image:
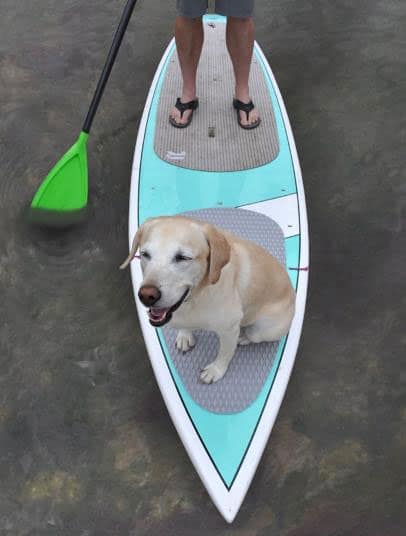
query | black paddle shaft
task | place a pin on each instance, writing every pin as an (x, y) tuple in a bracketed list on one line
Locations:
[(115, 46)]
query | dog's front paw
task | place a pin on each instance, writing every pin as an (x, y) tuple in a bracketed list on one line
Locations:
[(212, 373), (185, 340)]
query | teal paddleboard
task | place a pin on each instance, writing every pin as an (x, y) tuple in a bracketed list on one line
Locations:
[(250, 182)]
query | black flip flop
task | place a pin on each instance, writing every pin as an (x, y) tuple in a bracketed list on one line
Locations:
[(182, 107), (247, 108)]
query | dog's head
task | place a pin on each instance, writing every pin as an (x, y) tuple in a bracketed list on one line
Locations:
[(177, 255)]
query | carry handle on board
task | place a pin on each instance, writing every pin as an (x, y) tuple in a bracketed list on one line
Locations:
[(115, 46)]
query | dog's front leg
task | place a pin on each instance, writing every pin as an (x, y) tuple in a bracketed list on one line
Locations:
[(228, 345), (185, 340)]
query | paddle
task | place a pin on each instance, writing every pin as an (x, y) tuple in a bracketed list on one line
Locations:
[(61, 200)]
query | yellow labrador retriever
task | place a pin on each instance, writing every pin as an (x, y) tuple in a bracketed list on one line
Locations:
[(198, 277)]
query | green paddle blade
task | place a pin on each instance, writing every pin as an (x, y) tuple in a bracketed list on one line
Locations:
[(64, 189)]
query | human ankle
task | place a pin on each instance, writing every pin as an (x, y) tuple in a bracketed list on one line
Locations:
[(188, 96), (242, 95)]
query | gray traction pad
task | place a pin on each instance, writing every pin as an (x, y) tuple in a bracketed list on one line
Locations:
[(251, 364), (232, 148)]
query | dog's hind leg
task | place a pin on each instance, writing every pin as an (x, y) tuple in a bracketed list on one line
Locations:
[(269, 328), (243, 339)]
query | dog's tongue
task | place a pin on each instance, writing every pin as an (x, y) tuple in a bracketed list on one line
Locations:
[(157, 315)]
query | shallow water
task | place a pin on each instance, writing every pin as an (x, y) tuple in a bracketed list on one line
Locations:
[(86, 445)]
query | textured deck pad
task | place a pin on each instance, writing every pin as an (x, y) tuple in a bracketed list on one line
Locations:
[(231, 148), (251, 364)]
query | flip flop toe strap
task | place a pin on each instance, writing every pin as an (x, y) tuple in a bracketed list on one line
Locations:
[(246, 107), (183, 106)]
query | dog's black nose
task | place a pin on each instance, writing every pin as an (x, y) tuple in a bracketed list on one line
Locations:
[(149, 295)]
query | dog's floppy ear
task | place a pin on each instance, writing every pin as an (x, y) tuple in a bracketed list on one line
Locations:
[(219, 252), (134, 247), (137, 239), (136, 242)]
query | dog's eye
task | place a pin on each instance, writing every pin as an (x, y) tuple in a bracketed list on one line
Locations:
[(179, 258), (145, 255)]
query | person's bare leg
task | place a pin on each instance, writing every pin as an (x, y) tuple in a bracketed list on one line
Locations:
[(240, 43), (189, 43)]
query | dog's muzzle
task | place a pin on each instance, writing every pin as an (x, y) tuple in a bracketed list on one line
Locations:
[(160, 316)]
